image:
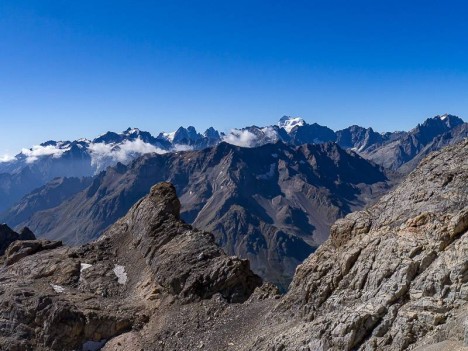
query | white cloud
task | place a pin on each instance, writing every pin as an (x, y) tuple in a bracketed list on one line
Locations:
[(270, 133), (242, 138), (104, 155), (7, 158), (38, 151), (182, 147)]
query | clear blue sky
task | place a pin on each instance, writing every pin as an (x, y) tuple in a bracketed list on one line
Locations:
[(71, 69)]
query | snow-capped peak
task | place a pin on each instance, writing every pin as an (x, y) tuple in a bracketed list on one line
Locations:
[(443, 117), (132, 131), (288, 123), (169, 136)]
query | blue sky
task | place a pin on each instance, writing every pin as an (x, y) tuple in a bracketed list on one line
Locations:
[(71, 69)]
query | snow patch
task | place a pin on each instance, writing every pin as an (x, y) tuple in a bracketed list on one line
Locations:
[(288, 123), (121, 274), (133, 131), (242, 138), (361, 148), (57, 288), (85, 266), (169, 136)]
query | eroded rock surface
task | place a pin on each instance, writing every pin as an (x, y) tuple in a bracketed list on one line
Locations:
[(394, 277), (54, 297)]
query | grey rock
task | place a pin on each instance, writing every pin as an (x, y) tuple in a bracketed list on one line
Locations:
[(393, 277), (59, 298)]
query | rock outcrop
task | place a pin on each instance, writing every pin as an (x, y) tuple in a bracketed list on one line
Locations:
[(8, 236), (393, 277), (55, 297), (183, 260)]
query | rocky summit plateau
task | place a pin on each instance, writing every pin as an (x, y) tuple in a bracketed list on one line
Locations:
[(393, 276)]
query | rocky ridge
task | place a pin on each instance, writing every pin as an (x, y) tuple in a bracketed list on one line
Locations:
[(61, 298), (8, 236), (393, 277)]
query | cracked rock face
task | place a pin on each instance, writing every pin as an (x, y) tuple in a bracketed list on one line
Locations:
[(394, 277), (54, 297)]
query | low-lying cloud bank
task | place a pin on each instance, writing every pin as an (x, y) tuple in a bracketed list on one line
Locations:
[(104, 155), (242, 138), (37, 151), (7, 158)]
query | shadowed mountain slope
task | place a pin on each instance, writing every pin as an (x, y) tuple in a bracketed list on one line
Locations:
[(273, 204)]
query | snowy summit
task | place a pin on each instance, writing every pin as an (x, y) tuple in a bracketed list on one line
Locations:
[(288, 123)]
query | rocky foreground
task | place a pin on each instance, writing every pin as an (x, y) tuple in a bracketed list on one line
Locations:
[(393, 277), (147, 266)]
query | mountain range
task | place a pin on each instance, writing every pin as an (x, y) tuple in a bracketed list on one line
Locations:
[(392, 277), (34, 167), (272, 203)]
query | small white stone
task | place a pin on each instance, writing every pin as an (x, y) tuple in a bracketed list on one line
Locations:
[(120, 273), (57, 288), (85, 266)]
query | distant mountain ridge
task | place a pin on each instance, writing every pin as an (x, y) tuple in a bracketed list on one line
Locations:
[(34, 167), (273, 202), (110, 148)]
